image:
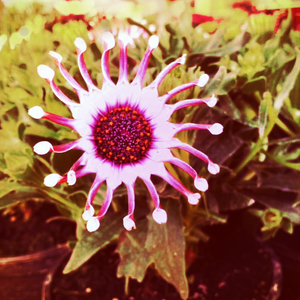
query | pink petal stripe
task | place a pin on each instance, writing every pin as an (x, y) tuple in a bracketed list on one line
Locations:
[(123, 74), (84, 71), (66, 74), (153, 192), (79, 162), (59, 120), (107, 201), (143, 67), (176, 143), (93, 191), (105, 66), (180, 89), (184, 166), (188, 103), (131, 199), (160, 77), (79, 174), (60, 95), (166, 176), (65, 147), (191, 126), (169, 109)]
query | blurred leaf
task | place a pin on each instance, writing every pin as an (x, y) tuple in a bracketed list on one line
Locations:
[(266, 116), (252, 61), (220, 84), (139, 249), (255, 84), (170, 262), (287, 225), (89, 243), (284, 161), (288, 84), (273, 176), (135, 258), (228, 107), (286, 141), (16, 163), (16, 155), (12, 192), (213, 47), (66, 34), (273, 220), (275, 198), (218, 148), (74, 7), (284, 181), (226, 198), (280, 58)]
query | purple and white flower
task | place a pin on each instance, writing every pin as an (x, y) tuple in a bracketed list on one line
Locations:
[(124, 129)]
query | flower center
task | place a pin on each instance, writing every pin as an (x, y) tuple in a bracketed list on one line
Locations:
[(123, 135)]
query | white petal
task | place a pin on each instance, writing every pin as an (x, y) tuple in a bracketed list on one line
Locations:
[(92, 224), (216, 129), (153, 41), (71, 177), (80, 44), (213, 101), (45, 72), (201, 184), (160, 216), (36, 112), (203, 80), (42, 148), (52, 180), (88, 213), (213, 168), (160, 155), (183, 59), (193, 198), (152, 27), (109, 39), (125, 38), (55, 55), (128, 223), (128, 174)]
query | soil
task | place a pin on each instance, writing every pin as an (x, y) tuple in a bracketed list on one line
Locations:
[(235, 266), (32, 226), (232, 265)]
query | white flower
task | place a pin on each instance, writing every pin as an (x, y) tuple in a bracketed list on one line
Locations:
[(124, 129)]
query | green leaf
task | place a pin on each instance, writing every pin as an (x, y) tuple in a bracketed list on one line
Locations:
[(288, 84), (266, 116), (255, 84), (287, 225), (162, 245), (283, 161), (89, 243), (213, 48), (275, 198), (74, 7), (12, 192), (167, 247), (227, 198), (279, 178), (16, 163), (135, 258), (220, 84), (16, 155)]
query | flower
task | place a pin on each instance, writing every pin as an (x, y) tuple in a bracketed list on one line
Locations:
[(124, 131)]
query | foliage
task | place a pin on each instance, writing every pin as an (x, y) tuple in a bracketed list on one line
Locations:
[(255, 74)]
